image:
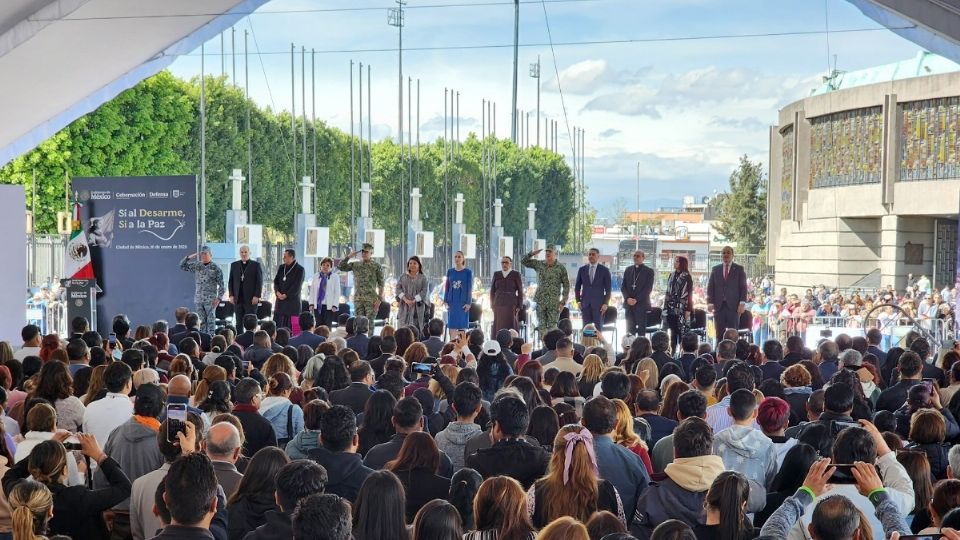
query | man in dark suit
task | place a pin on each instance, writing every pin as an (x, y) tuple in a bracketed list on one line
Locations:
[(874, 337), (910, 367), (179, 330), (245, 284), (359, 341), (306, 336), (435, 341), (727, 292), (358, 392), (636, 287), (249, 322), (592, 289), (286, 287)]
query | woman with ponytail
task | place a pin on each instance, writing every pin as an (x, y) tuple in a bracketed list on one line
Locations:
[(572, 486), (216, 400), (286, 418), (77, 510), (210, 375), (725, 506), (32, 505)]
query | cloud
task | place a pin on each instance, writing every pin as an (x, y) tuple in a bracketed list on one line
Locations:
[(636, 101), (584, 78), (751, 123), (607, 133)]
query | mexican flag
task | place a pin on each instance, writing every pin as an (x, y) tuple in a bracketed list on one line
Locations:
[(76, 262)]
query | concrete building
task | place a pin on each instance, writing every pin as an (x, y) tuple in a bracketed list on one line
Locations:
[(865, 178)]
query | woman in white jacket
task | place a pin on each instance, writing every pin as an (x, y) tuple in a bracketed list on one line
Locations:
[(325, 293)]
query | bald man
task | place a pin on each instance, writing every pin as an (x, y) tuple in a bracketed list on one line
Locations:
[(222, 446), (178, 391)]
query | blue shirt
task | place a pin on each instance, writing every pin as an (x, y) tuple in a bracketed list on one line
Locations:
[(623, 469)]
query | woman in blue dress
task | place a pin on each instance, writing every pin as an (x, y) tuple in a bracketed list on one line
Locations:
[(457, 294)]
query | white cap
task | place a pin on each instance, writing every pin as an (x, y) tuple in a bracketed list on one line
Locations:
[(490, 348)]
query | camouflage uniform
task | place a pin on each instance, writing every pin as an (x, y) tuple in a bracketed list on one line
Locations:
[(209, 288), (367, 279), (553, 288)]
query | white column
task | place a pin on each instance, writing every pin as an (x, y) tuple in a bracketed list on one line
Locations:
[(458, 214), (415, 204), (306, 197), (365, 199), (237, 179), (531, 216), (497, 210)]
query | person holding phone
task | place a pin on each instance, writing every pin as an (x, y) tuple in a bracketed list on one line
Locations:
[(458, 293)]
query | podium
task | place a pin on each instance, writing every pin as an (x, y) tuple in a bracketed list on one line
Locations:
[(81, 299)]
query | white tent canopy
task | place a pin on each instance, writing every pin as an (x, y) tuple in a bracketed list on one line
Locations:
[(60, 59), (931, 24)]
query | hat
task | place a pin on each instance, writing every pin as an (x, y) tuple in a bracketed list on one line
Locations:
[(627, 341), (145, 376), (491, 348), (367, 247), (204, 249), (551, 247)]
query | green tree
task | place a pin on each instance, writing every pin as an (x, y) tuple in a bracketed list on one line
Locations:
[(742, 211)]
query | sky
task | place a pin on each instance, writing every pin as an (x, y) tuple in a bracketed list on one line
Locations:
[(681, 111)]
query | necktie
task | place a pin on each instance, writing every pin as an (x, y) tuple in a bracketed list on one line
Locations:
[(592, 271), (726, 271)]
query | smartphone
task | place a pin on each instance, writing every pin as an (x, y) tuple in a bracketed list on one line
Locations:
[(112, 339), (72, 443), (176, 420), (590, 333), (117, 354), (935, 536), (421, 368), (845, 425)]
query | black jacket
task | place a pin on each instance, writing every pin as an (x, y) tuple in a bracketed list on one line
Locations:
[(421, 487), (249, 513), (252, 282), (257, 430), (346, 471), (937, 456), (379, 455), (515, 458), (276, 527), (378, 363), (895, 396), (354, 396), (288, 281), (77, 510), (245, 339)]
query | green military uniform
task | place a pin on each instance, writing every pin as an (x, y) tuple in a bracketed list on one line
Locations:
[(553, 288), (367, 280)]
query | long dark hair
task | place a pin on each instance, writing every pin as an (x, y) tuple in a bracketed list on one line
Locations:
[(333, 374), (816, 379), (796, 463), (727, 495), (377, 426), (437, 520), (380, 508), (260, 477), (54, 382), (217, 399), (463, 490), (419, 264), (544, 425), (419, 451)]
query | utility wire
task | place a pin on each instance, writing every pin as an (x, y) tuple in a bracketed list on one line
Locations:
[(556, 70), (304, 10), (597, 41)]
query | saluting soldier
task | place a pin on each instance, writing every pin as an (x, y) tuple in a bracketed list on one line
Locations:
[(553, 288), (367, 280), (209, 286)]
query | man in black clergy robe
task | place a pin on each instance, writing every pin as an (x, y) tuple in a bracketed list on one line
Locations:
[(286, 289), (245, 285)]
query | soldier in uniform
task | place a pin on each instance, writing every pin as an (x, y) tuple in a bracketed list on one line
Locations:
[(209, 288), (553, 287), (367, 280)]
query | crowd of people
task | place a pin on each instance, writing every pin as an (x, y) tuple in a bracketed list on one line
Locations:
[(325, 429)]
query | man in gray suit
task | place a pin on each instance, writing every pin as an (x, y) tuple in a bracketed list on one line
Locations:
[(727, 292)]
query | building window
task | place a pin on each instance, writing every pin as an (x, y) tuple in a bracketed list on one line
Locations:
[(786, 174), (929, 149), (845, 148)]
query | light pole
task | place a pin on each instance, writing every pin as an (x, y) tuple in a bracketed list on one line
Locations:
[(395, 17), (516, 37), (535, 73), (638, 208)]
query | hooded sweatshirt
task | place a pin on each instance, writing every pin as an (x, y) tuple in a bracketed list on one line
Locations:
[(275, 409), (303, 443), (453, 441), (747, 451), (680, 496), (134, 446)]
